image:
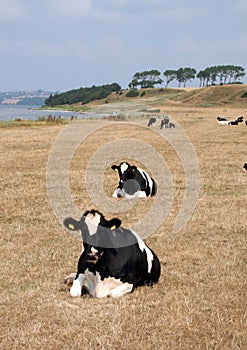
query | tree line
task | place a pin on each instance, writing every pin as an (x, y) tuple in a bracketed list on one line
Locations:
[(210, 76), (214, 75), (82, 95)]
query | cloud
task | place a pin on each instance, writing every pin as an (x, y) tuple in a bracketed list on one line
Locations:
[(13, 10)]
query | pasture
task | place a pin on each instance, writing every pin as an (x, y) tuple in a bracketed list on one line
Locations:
[(200, 300)]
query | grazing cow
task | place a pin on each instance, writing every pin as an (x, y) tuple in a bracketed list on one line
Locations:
[(134, 182), (152, 121), (164, 123), (115, 260), (245, 166)]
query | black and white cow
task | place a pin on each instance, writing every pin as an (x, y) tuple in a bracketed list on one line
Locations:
[(245, 166), (115, 260), (164, 123), (152, 121), (134, 182)]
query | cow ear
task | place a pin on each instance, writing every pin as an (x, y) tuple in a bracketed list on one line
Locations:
[(114, 167), (133, 168), (114, 223), (71, 224)]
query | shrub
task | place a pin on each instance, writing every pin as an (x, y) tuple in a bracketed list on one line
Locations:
[(132, 93), (244, 94), (143, 93)]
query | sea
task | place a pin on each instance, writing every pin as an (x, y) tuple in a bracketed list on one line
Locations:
[(13, 112)]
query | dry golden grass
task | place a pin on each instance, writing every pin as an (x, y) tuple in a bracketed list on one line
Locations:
[(200, 300)]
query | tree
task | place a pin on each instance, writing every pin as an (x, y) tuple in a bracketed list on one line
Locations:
[(146, 79), (188, 74), (170, 76)]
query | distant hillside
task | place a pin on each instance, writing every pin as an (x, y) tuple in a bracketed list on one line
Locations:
[(212, 96)]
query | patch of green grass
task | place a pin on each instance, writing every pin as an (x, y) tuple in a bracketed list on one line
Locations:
[(29, 123)]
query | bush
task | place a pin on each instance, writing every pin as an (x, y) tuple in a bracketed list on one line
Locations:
[(244, 94), (132, 93), (143, 93)]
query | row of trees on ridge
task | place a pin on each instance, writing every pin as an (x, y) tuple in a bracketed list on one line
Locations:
[(209, 76)]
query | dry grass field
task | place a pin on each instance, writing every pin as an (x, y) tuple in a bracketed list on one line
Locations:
[(200, 300)]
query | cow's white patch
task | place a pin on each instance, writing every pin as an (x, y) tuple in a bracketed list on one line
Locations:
[(150, 182), (123, 167), (121, 193), (143, 247), (94, 251), (92, 221)]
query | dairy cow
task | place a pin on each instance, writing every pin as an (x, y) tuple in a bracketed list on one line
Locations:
[(115, 260), (152, 121), (134, 182)]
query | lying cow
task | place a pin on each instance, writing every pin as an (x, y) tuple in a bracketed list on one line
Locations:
[(134, 182), (115, 260)]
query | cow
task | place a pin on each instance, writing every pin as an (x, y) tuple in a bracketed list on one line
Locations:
[(115, 260), (134, 182), (234, 122), (220, 119), (164, 123), (224, 122), (245, 166), (240, 119), (152, 121), (171, 125)]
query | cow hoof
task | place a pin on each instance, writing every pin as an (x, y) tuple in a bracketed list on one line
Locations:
[(69, 279)]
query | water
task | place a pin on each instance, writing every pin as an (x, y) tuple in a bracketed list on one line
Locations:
[(12, 112)]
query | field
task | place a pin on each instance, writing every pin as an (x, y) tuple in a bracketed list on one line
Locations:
[(200, 300)]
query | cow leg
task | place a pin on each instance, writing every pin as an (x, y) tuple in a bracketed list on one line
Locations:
[(109, 285), (112, 287), (75, 290), (86, 280), (119, 291)]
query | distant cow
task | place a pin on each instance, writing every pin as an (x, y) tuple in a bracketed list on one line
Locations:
[(221, 119), (234, 122), (224, 122), (240, 119), (152, 121), (171, 125), (115, 260), (134, 182), (164, 123), (245, 166)]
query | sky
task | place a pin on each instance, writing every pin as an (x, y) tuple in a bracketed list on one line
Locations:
[(59, 45)]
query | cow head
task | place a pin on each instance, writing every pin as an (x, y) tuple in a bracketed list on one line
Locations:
[(127, 183), (100, 233)]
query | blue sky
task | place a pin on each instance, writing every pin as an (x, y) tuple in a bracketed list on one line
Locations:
[(59, 45)]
